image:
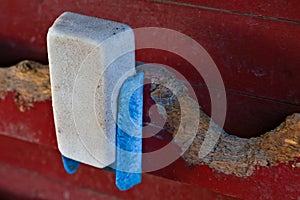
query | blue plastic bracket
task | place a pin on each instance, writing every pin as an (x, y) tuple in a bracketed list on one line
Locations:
[(129, 133), (70, 165)]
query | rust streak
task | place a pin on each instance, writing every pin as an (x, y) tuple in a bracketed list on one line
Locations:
[(231, 154)]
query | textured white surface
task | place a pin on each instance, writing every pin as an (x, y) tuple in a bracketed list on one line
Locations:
[(89, 58)]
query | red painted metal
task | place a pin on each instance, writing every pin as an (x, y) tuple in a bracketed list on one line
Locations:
[(24, 148), (256, 47), (35, 171), (258, 58), (270, 9)]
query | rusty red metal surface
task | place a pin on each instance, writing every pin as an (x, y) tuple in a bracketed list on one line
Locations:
[(255, 45), (268, 9), (29, 150), (257, 57), (35, 171)]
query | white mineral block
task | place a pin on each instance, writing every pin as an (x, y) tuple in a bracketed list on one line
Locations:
[(89, 59)]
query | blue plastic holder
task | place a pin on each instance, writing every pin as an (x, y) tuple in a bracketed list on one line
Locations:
[(70, 165), (129, 133)]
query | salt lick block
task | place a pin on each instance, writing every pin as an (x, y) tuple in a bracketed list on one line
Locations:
[(89, 59)]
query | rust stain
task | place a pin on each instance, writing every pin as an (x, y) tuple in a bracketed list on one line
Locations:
[(231, 154), (29, 80)]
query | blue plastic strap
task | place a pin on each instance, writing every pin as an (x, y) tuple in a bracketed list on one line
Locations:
[(129, 133)]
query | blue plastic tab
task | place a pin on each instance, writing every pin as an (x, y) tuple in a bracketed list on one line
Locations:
[(70, 165), (129, 133)]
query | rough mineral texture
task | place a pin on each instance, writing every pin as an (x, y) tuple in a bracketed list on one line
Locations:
[(29, 81), (231, 155)]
